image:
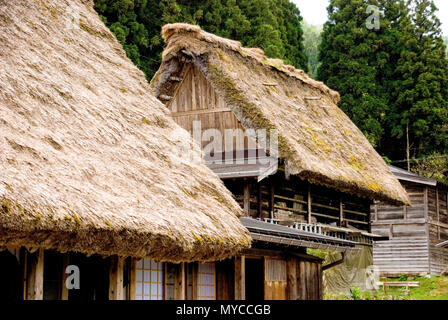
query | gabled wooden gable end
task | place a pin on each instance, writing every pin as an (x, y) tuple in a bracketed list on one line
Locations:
[(197, 107), (191, 98)]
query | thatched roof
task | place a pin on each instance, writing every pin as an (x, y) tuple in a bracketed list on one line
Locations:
[(86, 152), (316, 139)]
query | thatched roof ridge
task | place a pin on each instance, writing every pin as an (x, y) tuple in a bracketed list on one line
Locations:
[(89, 159), (316, 139)]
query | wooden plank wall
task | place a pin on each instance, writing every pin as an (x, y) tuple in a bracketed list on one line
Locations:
[(401, 222), (309, 280), (413, 232), (396, 257), (407, 250), (437, 228)]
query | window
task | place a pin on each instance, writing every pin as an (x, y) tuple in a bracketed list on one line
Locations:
[(206, 281), (150, 280)]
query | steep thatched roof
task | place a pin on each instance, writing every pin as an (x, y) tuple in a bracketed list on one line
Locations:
[(86, 152), (317, 140)]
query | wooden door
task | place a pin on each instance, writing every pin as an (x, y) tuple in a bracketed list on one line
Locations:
[(275, 279)]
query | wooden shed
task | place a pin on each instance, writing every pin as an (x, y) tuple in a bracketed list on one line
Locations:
[(292, 159), (416, 234), (87, 174)]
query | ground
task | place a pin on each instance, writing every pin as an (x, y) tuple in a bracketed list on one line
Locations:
[(433, 288)]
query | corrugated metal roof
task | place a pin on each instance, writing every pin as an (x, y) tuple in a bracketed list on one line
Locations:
[(268, 232), (405, 175)]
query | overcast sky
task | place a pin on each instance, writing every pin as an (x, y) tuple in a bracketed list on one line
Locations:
[(315, 11)]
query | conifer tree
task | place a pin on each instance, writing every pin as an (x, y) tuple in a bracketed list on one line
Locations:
[(273, 25), (348, 56), (422, 86)]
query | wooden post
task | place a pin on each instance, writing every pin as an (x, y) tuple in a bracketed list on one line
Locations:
[(116, 278), (271, 200), (24, 258), (65, 264), (291, 273), (35, 277), (194, 290), (309, 204), (133, 280), (438, 213), (240, 278), (426, 211), (341, 212), (320, 282), (246, 203), (259, 201), (179, 282)]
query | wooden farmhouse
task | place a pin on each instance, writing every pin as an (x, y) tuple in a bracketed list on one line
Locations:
[(90, 194), (303, 173), (418, 234)]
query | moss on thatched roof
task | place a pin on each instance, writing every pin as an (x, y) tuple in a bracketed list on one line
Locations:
[(317, 140), (87, 154)]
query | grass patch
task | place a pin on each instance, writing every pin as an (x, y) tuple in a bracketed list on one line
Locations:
[(433, 288)]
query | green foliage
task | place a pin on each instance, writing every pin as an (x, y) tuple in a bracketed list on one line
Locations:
[(403, 277), (311, 42), (431, 288), (433, 167), (394, 80), (273, 25), (348, 56)]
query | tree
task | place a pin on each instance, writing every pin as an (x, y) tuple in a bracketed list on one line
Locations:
[(348, 56), (311, 41), (273, 25), (393, 81), (420, 97)]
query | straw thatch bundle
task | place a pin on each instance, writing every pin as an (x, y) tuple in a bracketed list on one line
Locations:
[(316, 139), (86, 152)]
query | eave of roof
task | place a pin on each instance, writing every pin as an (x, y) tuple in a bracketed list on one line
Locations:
[(268, 232)]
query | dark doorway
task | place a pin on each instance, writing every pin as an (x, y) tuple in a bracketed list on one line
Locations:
[(254, 279), (53, 273), (10, 283), (94, 278)]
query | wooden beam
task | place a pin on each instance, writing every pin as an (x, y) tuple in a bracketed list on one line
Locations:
[(179, 282), (116, 278), (35, 277), (291, 278), (133, 280), (200, 112), (240, 277), (65, 264), (246, 200)]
